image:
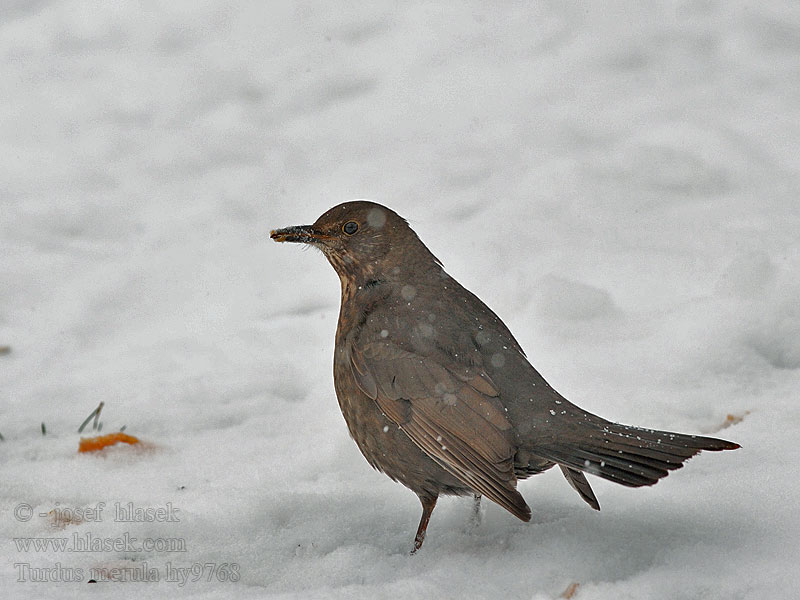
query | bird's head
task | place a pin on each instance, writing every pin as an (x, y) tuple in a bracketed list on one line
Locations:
[(363, 241)]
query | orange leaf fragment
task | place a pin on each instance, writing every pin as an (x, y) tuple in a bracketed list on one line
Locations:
[(102, 441), (733, 420), (569, 593)]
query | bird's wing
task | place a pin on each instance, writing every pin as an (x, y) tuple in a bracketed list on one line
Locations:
[(452, 413)]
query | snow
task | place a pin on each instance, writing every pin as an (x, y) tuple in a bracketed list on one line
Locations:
[(618, 181)]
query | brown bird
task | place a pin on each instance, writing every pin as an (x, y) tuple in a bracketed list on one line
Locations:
[(439, 395)]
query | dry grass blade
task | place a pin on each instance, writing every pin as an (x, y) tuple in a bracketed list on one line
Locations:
[(94, 414)]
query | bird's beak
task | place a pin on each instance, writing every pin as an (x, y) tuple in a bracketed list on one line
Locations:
[(303, 234)]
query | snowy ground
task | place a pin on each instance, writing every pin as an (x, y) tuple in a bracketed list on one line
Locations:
[(620, 182)]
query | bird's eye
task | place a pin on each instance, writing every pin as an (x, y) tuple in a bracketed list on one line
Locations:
[(350, 227)]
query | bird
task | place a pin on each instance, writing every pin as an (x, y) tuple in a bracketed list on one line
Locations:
[(439, 395)]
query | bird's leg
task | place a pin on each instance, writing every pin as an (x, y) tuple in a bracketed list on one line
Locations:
[(476, 510), (428, 504)]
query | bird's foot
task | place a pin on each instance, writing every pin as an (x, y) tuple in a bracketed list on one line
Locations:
[(428, 504), (475, 517), (417, 543)]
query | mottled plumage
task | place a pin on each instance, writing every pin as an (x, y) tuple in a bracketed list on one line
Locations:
[(439, 395)]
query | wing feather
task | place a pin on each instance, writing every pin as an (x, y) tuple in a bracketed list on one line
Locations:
[(451, 412)]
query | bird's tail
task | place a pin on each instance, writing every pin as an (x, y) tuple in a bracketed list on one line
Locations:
[(578, 482), (630, 456)]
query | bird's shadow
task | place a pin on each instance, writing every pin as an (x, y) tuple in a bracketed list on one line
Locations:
[(608, 546)]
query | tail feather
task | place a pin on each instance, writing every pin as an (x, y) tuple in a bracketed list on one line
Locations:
[(630, 456), (578, 482)]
